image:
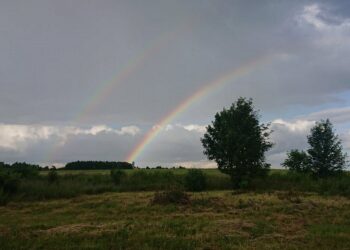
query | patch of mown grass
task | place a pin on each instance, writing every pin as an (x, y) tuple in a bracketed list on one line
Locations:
[(213, 220)]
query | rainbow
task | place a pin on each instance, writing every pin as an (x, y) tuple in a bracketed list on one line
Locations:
[(226, 78), (106, 89)]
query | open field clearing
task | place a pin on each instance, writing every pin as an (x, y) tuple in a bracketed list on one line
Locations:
[(211, 220)]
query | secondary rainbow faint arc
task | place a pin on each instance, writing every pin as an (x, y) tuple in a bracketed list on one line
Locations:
[(106, 89), (200, 93)]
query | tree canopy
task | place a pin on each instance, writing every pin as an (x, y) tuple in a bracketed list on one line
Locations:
[(238, 142), (326, 151)]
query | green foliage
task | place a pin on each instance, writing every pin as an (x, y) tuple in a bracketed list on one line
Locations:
[(145, 180), (52, 176), (9, 183), (68, 186), (25, 170), (326, 152), (195, 180), (297, 161), (73, 185), (117, 176), (237, 142)]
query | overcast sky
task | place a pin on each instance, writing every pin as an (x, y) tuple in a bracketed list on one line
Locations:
[(86, 80)]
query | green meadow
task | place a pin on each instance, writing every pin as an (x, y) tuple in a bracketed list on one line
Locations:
[(87, 210), (211, 220)]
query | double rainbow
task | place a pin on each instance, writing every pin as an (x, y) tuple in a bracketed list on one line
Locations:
[(106, 89)]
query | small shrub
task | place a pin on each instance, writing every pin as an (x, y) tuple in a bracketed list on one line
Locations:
[(9, 182), (52, 176), (175, 196), (244, 184), (195, 180), (117, 176)]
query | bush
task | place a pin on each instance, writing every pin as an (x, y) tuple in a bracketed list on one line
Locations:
[(195, 180), (297, 161), (175, 196), (52, 176), (25, 170), (9, 182), (117, 176)]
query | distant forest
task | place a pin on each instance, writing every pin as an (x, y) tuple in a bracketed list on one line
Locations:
[(97, 165), (22, 167)]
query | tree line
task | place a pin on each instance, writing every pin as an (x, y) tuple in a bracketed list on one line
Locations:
[(98, 165)]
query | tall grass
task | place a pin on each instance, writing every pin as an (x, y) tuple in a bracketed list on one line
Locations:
[(66, 186), (279, 181), (71, 185), (144, 180)]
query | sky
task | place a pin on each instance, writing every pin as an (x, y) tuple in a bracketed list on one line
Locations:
[(140, 80)]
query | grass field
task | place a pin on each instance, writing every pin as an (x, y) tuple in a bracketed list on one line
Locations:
[(87, 210), (212, 220), (73, 183), (177, 171)]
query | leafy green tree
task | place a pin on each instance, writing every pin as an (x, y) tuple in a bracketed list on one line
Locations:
[(297, 161), (326, 152), (238, 142)]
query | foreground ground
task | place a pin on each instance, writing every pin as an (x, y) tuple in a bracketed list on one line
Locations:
[(213, 220)]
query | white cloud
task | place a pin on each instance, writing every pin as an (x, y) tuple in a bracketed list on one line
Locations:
[(294, 126), (333, 29), (197, 164), (16, 137), (337, 115), (195, 127), (128, 130), (322, 20), (19, 137), (287, 135), (311, 14)]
